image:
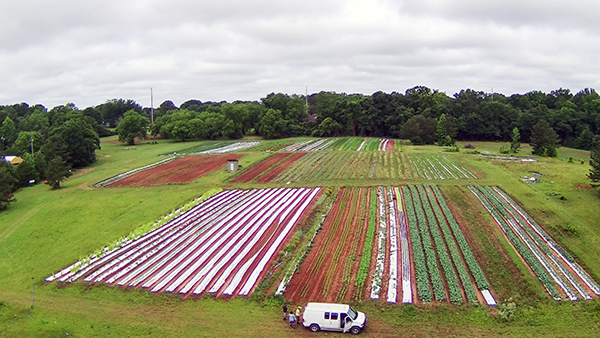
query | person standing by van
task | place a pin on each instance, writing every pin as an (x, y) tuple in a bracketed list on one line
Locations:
[(284, 310), (298, 313), (292, 320)]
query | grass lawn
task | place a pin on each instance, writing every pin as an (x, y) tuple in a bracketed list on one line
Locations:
[(47, 230)]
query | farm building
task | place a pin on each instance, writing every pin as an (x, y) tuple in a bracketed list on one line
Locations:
[(14, 160)]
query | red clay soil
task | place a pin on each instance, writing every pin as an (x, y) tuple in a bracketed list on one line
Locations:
[(317, 291), (288, 162), (360, 222), (306, 279), (258, 169), (181, 170), (584, 186)]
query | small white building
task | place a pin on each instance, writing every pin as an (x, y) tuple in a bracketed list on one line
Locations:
[(232, 165)]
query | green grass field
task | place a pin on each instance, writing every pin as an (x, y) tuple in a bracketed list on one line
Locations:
[(47, 230)]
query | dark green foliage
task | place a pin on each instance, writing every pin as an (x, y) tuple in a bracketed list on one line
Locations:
[(7, 183), (57, 171), (419, 130), (515, 142), (81, 140), (131, 126), (544, 140), (26, 171), (594, 174)]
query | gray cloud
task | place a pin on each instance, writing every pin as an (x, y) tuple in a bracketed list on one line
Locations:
[(89, 51)]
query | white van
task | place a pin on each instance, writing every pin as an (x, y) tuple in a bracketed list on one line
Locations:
[(333, 317)]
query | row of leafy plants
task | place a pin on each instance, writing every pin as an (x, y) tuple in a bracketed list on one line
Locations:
[(487, 200), (365, 261)]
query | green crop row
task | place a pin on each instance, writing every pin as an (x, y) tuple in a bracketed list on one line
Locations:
[(430, 256), (365, 261), (508, 212), (422, 276), (476, 271), (539, 228), (454, 253), (442, 252), (488, 200)]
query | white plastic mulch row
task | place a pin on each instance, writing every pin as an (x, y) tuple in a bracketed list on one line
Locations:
[(551, 243), (317, 145), (296, 146), (393, 281), (557, 274), (383, 143), (380, 263), (406, 278), (362, 144), (231, 147), (234, 232), (554, 267)]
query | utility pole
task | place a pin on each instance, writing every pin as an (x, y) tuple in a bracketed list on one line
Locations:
[(151, 106), (306, 100), (31, 145)]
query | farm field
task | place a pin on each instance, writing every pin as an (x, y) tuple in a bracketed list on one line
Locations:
[(60, 227), (180, 170), (220, 246), (363, 251), (319, 166)]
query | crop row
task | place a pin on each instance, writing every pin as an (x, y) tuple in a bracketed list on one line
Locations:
[(552, 245), (356, 225), (550, 264), (381, 240), (230, 147), (492, 205), (440, 166), (465, 279), (348, 207), (121, 176), (405, 250), (348, 165), (221, 246), (333, 221), (365, 262), (475, 269)]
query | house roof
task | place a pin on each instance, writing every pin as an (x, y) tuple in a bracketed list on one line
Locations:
[(14, 160)]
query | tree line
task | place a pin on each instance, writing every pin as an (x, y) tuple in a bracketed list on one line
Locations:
[(422, 115)]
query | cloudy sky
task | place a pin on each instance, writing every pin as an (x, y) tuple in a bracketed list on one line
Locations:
[(86, 52)]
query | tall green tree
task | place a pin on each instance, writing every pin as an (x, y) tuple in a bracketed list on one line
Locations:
[(26, 171), (57, 171), (131, 126), (544, 140), (26, 141), (7, 132), (594, 174), (7, 182), (81, 139), (515, 142)]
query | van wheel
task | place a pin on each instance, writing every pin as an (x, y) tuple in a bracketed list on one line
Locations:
[(355, 330), (314, 327)]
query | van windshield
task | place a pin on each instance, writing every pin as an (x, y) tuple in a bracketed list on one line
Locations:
[(352, 314)]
